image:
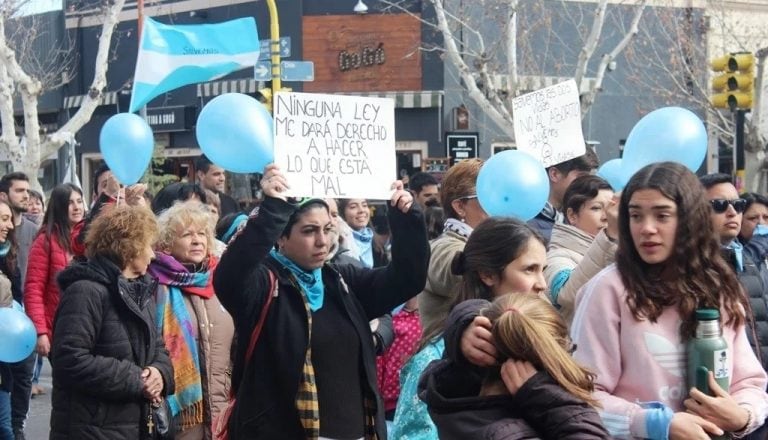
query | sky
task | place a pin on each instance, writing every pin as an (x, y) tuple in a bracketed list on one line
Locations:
[(38, 6)]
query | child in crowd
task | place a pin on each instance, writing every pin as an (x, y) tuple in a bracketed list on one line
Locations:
[(502, 255), (538, 391)]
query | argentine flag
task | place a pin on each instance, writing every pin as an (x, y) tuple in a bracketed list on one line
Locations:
[(174, 56)]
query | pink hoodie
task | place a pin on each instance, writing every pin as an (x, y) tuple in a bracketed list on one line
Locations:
[(639, 361)]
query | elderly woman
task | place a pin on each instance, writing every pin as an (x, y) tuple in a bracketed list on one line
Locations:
[(109, 362), (312, 372), (196, 328)]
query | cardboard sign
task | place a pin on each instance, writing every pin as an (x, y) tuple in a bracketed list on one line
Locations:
[(548, 123), (334, 146)]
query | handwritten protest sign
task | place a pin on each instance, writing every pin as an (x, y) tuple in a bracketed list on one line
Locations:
[(334, 145), (548, 123)]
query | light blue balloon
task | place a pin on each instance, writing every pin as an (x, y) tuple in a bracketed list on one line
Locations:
[(235, 132), (513, 184), (17, 306), (126, 142), (613, 172), (667, 134), (18, 335)]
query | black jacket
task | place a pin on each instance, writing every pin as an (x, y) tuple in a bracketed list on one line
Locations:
[(540, 409), (267, 387), (103, 338), (757, 293), (228, 204)]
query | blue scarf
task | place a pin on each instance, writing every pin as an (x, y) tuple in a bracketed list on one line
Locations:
[(738, 251), (311, 282), (364, 240)]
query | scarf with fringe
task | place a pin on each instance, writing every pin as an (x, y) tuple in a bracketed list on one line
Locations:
[(178, 331)]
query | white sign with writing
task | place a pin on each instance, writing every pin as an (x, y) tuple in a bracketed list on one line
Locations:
[(335, 146), (548, 123)]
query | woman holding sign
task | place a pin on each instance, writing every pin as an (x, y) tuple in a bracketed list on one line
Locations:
[(312, 372), (633, 319)]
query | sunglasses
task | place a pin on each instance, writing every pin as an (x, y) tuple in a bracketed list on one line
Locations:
[(467, 197), (721, 205)]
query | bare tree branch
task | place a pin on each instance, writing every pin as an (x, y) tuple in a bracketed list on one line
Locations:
[(500, 116), (589, 98), (512, 48), (591, 43), (16, 77), (95, 91)]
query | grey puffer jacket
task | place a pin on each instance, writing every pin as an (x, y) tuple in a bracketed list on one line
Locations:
[(757, 293)]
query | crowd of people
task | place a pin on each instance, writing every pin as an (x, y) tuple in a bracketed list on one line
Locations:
[(184, 315)]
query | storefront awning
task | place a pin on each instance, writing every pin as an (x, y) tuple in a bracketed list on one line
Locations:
[(415, 99), (108, 98), (216, 88)]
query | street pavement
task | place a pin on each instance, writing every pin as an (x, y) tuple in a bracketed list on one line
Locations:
[(39, 418)]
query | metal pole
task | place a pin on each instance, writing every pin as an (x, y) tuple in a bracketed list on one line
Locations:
[(739, 151), (140, 18), (274, 35), (140, 9)]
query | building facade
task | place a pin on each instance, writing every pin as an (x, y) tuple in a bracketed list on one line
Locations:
[(375, 54)]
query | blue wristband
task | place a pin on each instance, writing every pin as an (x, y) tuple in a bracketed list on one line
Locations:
[(658, 417), (558, 281)]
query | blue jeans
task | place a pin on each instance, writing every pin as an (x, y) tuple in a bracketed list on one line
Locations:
[(6, 433), (37, 370)]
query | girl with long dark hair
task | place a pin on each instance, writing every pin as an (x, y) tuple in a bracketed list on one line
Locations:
[(9, 288), (50, 253), (634, 318)]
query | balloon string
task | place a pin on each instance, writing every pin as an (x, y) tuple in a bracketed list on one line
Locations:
[(118, 199)]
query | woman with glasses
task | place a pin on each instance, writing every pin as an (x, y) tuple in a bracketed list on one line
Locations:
[(463, 213), (633, 319), (745, 257)]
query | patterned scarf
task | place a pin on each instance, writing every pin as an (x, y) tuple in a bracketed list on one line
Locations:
[(364, 241), (178, 331)]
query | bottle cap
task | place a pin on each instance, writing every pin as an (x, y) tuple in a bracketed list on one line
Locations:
[(707, 314)]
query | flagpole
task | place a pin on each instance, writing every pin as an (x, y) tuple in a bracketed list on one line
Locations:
[(274, 35), (140, 10)]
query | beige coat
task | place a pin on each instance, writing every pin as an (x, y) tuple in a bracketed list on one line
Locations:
[(6, 295), (442, 285), (572, 249), (216, 332)]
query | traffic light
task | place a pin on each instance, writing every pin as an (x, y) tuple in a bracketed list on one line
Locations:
[(734, 87)]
